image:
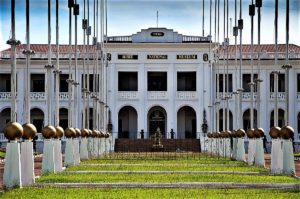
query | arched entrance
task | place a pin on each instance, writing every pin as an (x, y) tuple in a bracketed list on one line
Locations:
[(37, 118), (186, 123), (247, 119), (4, 118), (157, 118), (63, 118), (221, 128), (127, 123), (280, 118)]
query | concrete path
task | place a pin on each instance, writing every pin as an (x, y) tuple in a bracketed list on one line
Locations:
[(213, 185), (161, 165)]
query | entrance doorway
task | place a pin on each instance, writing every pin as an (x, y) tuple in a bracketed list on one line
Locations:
[(157, 119)]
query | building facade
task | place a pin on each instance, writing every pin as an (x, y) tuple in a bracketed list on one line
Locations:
[(158, 78)]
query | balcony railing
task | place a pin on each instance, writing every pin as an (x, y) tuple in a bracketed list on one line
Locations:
[(128, 95), (157, 95), (186, 95), (280, 96), (63, 96), (222, 95), (5, 95), (37, 96), (247, 96)]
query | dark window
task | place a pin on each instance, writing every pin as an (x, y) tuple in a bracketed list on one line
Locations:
[(186, 81), (37, 83), (63, 84), (221, 83), (91, 82), (298, 82), (127, 81), (5, 85), (281, 84), (247, 80), (157, 81)]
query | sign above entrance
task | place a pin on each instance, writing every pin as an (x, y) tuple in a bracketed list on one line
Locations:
[(186, 56), (157, 56), (126, 56), (157, 34)]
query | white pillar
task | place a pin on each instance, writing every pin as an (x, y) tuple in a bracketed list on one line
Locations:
[(251, 151), (288, 166), (84, 149), (276, 156), (76, 151), (57, 155), (48, 157), (12, 168), (240, 151), (69, 153), (234, 148), (95, 147), (259, 159), (27, 160)]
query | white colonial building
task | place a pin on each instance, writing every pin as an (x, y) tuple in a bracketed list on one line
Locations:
[(160, 78)]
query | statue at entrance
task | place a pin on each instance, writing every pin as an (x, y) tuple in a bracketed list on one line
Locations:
[(157, 139)]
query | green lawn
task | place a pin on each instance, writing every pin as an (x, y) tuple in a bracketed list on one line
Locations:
[(2, 154), (172, 177), (129, 193)]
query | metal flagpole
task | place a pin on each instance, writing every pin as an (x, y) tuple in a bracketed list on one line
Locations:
[(224, 73), (94, 97), (203, 8), (57, 71), (227, 64), (287, 66), (211, 69), (218, 71), (240, 90), (84, 88), (259, 80), (89, 29), (70, 79), (276, 65), (49, 67), (235, 34), (252, 14), (28, 53)]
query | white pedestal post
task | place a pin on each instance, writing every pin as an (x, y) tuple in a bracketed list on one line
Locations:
[(259, 159), (27, 162), (234, 148), (276, 156), (227, 149), (240, 150), (99, 146), (251, 151), (76, 151), (57, 155), (12, 168), (95, 147), (48, 157), (84, 149), (69, 153), (90, 147), (288, 166)]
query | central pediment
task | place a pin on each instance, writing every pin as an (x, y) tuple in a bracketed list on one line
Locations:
[(157, 35)]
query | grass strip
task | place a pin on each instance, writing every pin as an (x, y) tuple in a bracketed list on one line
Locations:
[(144, 193), (186, 167), (121, 177)]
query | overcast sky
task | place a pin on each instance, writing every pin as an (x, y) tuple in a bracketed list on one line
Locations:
[(126, 17)]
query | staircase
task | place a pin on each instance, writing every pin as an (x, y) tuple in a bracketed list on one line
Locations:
[(146, 145)]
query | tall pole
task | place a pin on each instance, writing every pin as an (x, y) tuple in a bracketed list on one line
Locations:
[(287, 66), (218, 70), (13, 42), (203, 8), (49, 67), (259, 80), (211, 69), (57, 71), (235, 34), (227, 64), (84, 88), (224, 73), (70, 79), (76, 82), (276, 65), (252, 14), (89, 29), (240, 26), (28, 53)]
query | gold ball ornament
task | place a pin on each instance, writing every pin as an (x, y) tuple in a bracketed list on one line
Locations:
[(287, 132), (48, 132), (250, 133), (259, 132), (78, 132), (59, 132), (13, 131), (240, 133), (94, 133), (84, 133), (275, 132), (29, 131), (90, 132), (70, 133)]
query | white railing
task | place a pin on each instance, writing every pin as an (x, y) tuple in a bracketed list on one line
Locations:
[(186, 95), (157, 95), (37, 96), (247, 96), (280, 96), (63, 96), (222, 96), (127, 95), (5, 95)]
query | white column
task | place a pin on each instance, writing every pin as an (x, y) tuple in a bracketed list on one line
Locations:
[(142, 94), (27, 160), (288, 166), (259, 159), (12, 168), (83, 149), (240, 154), (276, 156), (76, 151), (251, 151), (57, 155), (48, 157), (171, 108), (69, 153)]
